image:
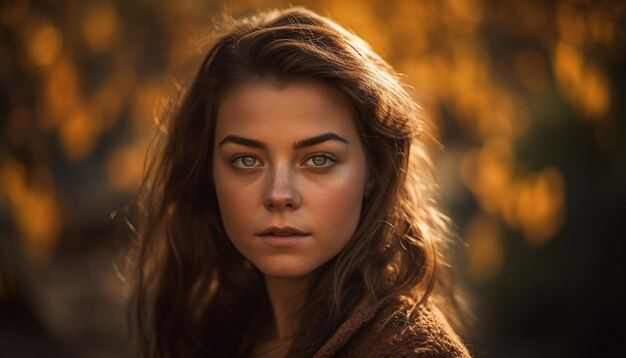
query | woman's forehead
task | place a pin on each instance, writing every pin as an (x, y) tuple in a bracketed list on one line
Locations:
[(300, 108)]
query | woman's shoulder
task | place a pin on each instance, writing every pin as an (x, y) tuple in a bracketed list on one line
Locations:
[(397, 330)]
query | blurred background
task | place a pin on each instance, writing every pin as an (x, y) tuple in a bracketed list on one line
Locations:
[(527, 98)]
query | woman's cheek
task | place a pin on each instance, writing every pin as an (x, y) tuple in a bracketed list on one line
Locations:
[(235, 202), (339, 207)]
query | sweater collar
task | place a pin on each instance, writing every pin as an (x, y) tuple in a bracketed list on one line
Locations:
[(364, 312)]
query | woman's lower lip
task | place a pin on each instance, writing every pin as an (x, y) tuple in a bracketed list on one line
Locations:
[(282, 241)]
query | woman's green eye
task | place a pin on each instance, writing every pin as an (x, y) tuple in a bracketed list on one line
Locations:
[(320, 161), (245, 161), (248, 161)]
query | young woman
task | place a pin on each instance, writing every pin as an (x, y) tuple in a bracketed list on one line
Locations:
[(288, 209)]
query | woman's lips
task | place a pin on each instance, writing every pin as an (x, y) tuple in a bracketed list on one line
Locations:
[(282, 237)]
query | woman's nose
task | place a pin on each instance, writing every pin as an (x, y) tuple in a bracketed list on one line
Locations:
[(281, 192)]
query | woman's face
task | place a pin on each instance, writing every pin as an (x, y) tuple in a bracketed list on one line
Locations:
[(290, 174)]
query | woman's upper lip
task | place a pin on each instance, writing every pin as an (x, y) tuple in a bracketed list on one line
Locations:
[(281, 230)]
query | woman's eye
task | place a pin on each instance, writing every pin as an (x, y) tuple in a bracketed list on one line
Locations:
[(320, 161), (245, 161)]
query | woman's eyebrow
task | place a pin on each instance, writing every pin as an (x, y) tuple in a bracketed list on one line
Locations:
[(243, 141), (319, 139), (308, 142)]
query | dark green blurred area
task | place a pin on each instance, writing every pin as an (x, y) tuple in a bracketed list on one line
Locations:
[(527, 98)]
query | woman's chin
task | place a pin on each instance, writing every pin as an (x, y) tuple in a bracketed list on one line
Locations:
[(285, 270)]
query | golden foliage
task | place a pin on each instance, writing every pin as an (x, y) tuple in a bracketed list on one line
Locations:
[(485, 249), (35, 206)]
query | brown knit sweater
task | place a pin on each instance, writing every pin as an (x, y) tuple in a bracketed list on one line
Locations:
[(422, 332)]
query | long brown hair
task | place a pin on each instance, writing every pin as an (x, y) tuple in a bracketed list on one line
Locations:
[(194, 294)]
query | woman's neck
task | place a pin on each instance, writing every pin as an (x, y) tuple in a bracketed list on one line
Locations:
[(286, 295)]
